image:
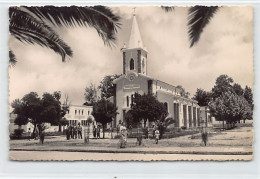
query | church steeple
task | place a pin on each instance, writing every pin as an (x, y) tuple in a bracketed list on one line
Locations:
[(134, 54), (135, 40)]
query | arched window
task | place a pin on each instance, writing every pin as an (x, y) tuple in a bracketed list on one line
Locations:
[(132, 64), (127, 101), (166, 106), (75, 112)]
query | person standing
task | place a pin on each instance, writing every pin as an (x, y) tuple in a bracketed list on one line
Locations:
[(75, 131), (157, 135), (147, 132), (94, 131), (123, 136), (130, 128), (29, 133), (117, 129), (98, 132), (80, 131), (68, 132), (71, 132), (111, 131)]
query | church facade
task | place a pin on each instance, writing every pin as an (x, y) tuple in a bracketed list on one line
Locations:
[(183, 110)]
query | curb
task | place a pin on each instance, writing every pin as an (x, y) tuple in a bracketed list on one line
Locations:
[(139, 152)]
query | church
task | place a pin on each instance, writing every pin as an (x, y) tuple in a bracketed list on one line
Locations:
[(185, 111)]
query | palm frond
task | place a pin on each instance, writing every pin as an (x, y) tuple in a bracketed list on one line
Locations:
[(199, 17), (99, 17), (12, 59), (168, 8), (28, 29)]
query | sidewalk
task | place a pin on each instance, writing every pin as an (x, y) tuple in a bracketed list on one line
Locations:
[(168, 150), (112, 146), (235, 142)]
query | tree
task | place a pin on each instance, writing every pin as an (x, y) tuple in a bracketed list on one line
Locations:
[(248, 95), (147, 107), (18, 109), (183, 92), (90, 95), (238, 89), (107, 87), (104, 112), (230, 107), (38, 111), (202, 97), (35, 25), (223, 84)]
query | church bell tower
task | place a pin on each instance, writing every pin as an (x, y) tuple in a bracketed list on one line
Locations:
[(134, 53)]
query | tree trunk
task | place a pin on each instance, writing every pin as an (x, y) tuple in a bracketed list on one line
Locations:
[(223, 125), (59, 128), (145, 120), (34, 129)]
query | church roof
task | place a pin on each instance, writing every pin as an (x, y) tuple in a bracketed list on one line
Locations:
[(135, 40)]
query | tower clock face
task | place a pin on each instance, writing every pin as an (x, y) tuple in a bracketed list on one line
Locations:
[(131, 77)]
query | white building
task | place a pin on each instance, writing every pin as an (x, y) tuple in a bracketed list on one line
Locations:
[(79, 114), (13, 126)]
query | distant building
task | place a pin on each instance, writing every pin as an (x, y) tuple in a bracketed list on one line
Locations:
[(13, 126), (205, 116), (183, 110), (79, 114)]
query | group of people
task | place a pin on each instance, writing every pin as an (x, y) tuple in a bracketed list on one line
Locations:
[(96, 132), (74, 131)]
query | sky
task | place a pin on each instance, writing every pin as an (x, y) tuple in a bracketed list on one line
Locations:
[(225, 47)]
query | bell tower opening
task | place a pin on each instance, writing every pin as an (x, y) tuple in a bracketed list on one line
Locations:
[(134, 53), (132, 64)]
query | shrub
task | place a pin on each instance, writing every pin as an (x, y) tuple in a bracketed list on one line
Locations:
[(183, 127), (57, 133), (18, 133)]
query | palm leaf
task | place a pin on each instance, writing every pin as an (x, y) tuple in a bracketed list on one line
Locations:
[(28, 29), (12, 59), (167, 8), (199, 17), (99, 17)]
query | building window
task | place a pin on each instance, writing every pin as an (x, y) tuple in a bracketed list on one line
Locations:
[(82, 111), (166, 106), (132, 99), (132, 64), (75, 112), (88, 112), (127, 101)]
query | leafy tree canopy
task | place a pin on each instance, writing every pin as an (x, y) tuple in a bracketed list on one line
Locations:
[(107, 87), (104, 112), (238, 89), (36, 25), (223, 84), (90, 95), (38, 110), (230, 107), (203, 97), (147, 107)]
